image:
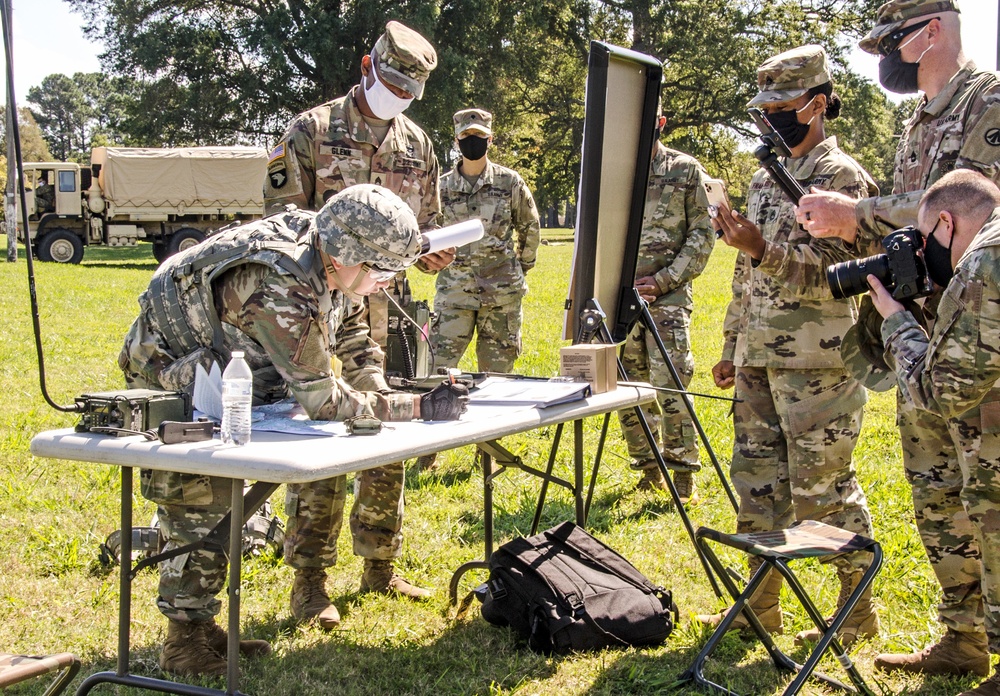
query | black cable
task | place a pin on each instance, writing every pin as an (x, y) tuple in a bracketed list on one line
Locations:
[(19, 164), (425, 334)]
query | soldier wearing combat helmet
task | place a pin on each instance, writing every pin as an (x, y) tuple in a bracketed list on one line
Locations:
[(799, 411), (285, 291), (363, 137), (919, 44)]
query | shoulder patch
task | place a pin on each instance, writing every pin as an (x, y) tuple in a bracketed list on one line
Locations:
[(277, 177), (992, 137), (276, 154)]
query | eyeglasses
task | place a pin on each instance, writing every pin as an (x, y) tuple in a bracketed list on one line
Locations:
[(891, 42), (379, 275)]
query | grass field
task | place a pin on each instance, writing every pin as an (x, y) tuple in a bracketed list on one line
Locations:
[(53, 515)]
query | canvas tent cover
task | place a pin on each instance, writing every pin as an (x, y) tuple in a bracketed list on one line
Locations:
[(194, 177)]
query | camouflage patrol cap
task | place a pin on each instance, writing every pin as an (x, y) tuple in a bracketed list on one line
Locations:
[(473, 120), (404, 58), (791, 74), (366, 223), (892, 15)]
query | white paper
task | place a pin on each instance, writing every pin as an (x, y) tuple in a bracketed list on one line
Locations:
[(456, 235), (208, 392)]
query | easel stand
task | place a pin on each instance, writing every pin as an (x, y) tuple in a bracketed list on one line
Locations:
[(592, 323)]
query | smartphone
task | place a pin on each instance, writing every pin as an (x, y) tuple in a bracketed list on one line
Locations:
[(715, 191)]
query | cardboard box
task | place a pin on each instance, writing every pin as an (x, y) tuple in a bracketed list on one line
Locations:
[(595, 362)]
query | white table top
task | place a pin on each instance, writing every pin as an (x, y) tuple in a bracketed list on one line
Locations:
[(285, 458)]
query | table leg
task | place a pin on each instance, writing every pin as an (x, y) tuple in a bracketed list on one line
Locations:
[(125, 574), (235, 568), (581, 516)]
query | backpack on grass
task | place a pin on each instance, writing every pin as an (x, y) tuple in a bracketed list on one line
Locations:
[(564, 590)]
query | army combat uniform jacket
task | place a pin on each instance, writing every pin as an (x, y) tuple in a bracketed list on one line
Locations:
[(489, 271), (958, 129), (677, 237), (953, 373), (330, 147), (783, 313)]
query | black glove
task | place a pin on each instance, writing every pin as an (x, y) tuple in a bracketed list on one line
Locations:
[(446, 401)]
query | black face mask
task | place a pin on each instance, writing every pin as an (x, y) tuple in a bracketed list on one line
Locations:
[(938, 258), (897, 76), (786, 124), (473, 147)]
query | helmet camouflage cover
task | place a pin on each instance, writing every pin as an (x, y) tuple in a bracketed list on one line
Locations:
[(366, 223)]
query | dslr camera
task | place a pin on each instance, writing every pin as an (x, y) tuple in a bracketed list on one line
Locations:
[(901, 269)]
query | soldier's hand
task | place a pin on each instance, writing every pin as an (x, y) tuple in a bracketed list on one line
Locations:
[(435, 261), (724, 374), (828, 214), (740, 233), (647, 287), (446, 401), (883, 300)]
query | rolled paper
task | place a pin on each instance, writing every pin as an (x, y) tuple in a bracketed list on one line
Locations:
[(456, 235)]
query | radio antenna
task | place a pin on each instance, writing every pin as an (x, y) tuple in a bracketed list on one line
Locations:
[(19, 168)]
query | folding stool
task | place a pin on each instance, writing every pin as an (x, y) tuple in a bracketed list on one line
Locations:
[(808, 539), (15, 669)]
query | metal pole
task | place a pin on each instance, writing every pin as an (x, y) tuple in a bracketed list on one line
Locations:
[(9, 216)]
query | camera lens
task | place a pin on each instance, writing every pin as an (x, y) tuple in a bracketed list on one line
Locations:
[(850, 277)]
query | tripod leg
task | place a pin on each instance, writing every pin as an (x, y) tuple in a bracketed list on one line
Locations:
[(647, 320)]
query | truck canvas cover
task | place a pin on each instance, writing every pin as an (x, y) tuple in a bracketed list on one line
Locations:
[(192, 180)]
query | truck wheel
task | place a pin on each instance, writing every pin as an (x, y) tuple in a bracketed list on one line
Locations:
[(184, 238), (160, 252), (61, 246)]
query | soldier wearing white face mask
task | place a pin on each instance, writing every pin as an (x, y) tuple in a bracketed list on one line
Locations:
[(362, 137)]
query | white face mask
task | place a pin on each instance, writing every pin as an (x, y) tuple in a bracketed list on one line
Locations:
[(383, 103)]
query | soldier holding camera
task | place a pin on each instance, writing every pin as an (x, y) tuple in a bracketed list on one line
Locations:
[(953, 370), (954, 127), (800, 411)]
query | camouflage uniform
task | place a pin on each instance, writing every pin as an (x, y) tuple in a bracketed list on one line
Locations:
[(323, 151), (955, 130), (290, 327), (953, 372), (676, 242), (481, 290), (801, 412)]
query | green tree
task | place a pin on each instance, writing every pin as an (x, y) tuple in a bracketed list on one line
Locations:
[(61, 111)]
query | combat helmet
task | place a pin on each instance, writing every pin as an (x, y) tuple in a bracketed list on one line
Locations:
[(366, 223)]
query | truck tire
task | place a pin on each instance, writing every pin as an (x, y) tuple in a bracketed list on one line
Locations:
[(60, 246), (160, 252), (184, 238)]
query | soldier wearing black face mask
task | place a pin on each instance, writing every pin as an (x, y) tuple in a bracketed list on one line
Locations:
[(480, 292), (956, 125)]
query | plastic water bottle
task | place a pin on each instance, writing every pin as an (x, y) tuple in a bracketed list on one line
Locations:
[(237, 398)]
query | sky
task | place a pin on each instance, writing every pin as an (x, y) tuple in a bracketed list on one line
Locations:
[(49, 38)]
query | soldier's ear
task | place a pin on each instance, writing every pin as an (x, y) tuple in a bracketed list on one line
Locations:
[(366, 65)]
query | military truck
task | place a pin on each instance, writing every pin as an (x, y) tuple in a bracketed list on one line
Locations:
[(173, 198)]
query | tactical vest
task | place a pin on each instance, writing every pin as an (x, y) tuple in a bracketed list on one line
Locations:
[(179, 302)]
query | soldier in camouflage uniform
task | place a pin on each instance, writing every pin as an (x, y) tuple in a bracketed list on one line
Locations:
[(801, 411), (676, 242), (953, 127), (953, 370), (362, 137), (285, 290), (481, 291)]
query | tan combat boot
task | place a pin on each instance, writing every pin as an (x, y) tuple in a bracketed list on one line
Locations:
[(956, 653), (381, 577), (651, 479), (310, 600), (684, 483), (990, 687), (764, 603), (863, 621), (187, 653), (428, 462), (218, 639)]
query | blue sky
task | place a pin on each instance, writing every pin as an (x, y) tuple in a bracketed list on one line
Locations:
[(49, 38)]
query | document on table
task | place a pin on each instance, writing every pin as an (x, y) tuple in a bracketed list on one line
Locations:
[(528, 392)]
